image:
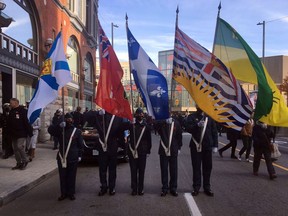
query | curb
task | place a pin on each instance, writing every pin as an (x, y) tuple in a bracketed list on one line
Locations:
[(10, 196)]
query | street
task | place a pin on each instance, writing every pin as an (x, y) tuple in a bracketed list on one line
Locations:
[(237, 191)]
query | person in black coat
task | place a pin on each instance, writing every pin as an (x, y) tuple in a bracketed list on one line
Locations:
[(68, 156), (19, 129), (204, 140), (232, 136), (6, 138), (168, 152), (110, 129), (139, 148), (262, 135)]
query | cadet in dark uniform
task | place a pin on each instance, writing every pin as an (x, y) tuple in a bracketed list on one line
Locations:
[(110, 129), (170, 132), (68, 156), (139, 147), (204, 139)]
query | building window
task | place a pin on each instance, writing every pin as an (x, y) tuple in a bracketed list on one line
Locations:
[(25, 87), (73, 59), (87, 71), (88, 101), (26, 34)]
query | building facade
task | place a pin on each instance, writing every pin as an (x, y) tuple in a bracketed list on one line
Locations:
[(25, 43)]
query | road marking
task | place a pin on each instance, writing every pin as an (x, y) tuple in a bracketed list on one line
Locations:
[(194, 210)]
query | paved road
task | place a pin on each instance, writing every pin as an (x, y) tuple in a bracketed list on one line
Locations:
[(237, 191)]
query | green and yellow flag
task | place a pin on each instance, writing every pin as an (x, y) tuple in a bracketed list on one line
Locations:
[(246, 66)]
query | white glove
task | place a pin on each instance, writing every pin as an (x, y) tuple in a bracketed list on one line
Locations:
[(179, 152), (134, 121), (200, 124), (79, 159), (62, 124), (102, 112), (169, 121), (214, 149)]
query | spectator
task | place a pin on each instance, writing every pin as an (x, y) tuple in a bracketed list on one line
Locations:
[(78, 118), (262, 146), (19, 128), (56, 120), (6, 138)]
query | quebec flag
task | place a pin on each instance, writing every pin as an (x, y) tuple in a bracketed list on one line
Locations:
[(54, 75), (149, 80)]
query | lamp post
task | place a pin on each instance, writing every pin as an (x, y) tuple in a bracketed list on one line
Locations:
[(263, 45), (112, 27)]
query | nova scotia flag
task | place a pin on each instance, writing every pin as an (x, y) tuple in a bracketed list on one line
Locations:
[(54, 75), (149, 80)]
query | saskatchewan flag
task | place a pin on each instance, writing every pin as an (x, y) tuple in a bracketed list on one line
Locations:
[(246, 66)]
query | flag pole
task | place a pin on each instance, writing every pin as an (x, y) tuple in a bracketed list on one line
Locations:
[(218, 16), (176, 26), (63, 113), (103, 118), (130, 77)]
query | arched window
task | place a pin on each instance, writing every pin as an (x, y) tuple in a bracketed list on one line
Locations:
[(72, 55), (88, 69), (23, 27)]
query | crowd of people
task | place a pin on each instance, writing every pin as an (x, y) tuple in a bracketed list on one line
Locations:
[(20, 138)]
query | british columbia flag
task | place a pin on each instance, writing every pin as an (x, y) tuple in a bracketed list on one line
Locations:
[(212, 86)]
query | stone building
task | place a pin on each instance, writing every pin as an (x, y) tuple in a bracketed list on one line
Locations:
[(26, 40)]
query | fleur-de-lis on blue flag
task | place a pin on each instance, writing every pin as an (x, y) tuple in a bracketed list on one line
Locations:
[(149, 80)]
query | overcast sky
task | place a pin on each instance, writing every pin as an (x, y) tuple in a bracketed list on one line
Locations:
[(152, 22)]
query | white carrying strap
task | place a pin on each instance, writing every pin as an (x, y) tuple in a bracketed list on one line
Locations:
[(63, 160), (167, 149), (134, 152), (104, 144), (199, 145)]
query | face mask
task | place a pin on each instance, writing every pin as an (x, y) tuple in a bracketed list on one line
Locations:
[(139, 118)]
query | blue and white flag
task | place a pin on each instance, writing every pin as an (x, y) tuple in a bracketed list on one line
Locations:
[(149, 80), (55, 74)]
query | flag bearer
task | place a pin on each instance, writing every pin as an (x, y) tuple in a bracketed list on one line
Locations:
[(139, 148), (170, 132), (69, 155)]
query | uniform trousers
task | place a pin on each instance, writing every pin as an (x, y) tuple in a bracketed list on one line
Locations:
[(137, 168), (67, 177), (107, 162), (170, 162), (201, 160)]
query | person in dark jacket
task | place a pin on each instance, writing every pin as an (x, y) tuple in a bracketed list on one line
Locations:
[(68, 156), (232, 136), (170, 132), (110, 129), (262, 135), (204, 140), (56, 120), (19, 129), (78, 117), (139, 147), (6, 138)]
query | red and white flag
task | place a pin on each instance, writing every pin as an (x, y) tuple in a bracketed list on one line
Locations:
[(110, 91)]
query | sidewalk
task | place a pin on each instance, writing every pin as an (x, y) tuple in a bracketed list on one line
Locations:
[(14, 183)]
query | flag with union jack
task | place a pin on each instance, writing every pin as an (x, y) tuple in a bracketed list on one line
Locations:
[(110, 91), (214, 89)]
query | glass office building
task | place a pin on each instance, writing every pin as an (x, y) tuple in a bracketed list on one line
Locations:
[(179, 98)]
